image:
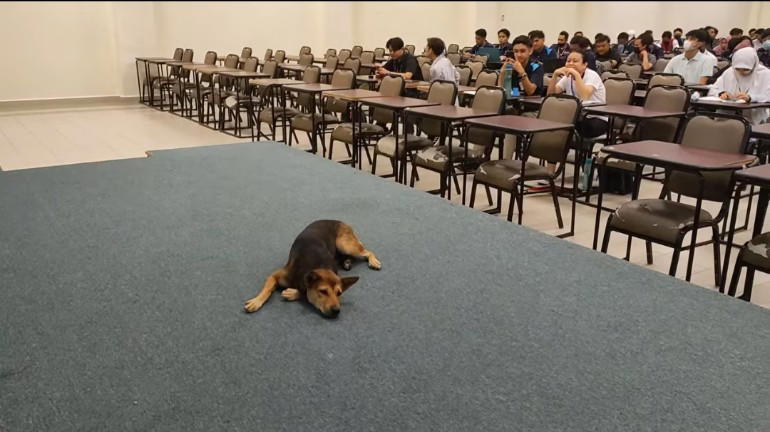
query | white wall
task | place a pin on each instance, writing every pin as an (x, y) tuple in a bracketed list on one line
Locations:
[(81, 49)]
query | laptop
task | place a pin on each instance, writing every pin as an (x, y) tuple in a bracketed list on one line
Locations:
[(492, 54), (551, 64)]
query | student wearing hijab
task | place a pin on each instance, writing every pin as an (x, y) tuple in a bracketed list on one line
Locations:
[(746, 80)]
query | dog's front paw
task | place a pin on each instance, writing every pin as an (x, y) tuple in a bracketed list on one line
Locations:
[(252, 305), (374, 263), (290, 294)]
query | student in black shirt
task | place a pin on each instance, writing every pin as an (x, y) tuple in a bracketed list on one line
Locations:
[(527, 74), (678, 36), (504, 46), (481, 42), (604, 52), (401, 62), (561, 47)]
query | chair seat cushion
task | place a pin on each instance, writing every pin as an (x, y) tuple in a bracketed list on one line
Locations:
[(658, 219), (266, 116), (436, 157), (304, 122), (344, 131), (756, 251), (506, 173), (387, 144)]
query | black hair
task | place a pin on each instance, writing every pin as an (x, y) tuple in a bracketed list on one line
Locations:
[(679, 30), (735, 41), (583, 54), (666, 34), (765, 33), (581, 33), (752, 30), (436, 45), (582, 42), (481, 32), (601, 37), (565, 34), (707, 28), (394, 44), (505, 31), (735, 31), (699, 34), (623, 35), (646, 39), (522, 40), (536, 34)]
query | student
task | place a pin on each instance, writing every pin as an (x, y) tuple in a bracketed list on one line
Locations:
[(622, 46), (678, 36), (441, 68), (579, 43), (579, 33), (561, 47), (481, 42), (712, 32), (721, 49), (652, 47), (746, 80), (504, 46), (527, 73), (641, 54), (605, 53), (736, 32), (576, 79), (693, 65), (764, 51), (401, 62), (667, 42), (756, 40), (540, 52), (735, 44)]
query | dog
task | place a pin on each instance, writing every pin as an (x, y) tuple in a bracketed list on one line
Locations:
[(311, 272)]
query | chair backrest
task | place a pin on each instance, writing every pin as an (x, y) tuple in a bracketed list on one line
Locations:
[(210, 58), (246, 52), (425, 69), (614, 74), (187, 56), (488, 98), (367, 57), (331, 62), (306, 59), (443, 92), (410, 49), (660, 65), (356, 51), (665, 79), (340, 78), (331, 52), (486, 78), (553, 146), (251, 64), (618, 91), (454, 58), (633, 71), (280, 56), (311, 75), (421, 60), (480, 58), (465, 74), (344, 55), (453, 49), (304, 50), (379, 52), (270, 68), (178, 54), (352, 64), (390, 86), (476, 68), (232, 60), (663, 98), (268, 55), (716, 132)]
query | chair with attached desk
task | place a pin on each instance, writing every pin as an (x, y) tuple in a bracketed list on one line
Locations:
[(485, 78), (665, 79), (305, 59), (275, 117), (474, 148), (366, 58), (219, 86), (188, 92), (240, 96), (442, 92), (552, 146), (310, 122), (381, 118), (664, 221), (167, 83), (270, 68)]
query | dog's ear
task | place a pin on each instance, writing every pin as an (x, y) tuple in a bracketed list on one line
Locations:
[(311, 277), (348, 281)]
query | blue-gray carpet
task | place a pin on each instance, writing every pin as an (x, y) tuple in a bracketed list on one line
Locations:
[(122, 284)]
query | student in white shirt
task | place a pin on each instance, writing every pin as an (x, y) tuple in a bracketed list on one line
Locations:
[(576, 79), (441, 68), (693, 65), (746, 80)]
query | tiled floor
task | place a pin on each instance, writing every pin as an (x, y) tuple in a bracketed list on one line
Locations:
[(56, 133)]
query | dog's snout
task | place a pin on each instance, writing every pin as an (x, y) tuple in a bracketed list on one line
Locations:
[(333, 311)]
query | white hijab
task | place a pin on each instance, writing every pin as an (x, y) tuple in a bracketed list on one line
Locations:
[(756, 84)]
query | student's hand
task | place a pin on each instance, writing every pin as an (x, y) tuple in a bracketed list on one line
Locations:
[(742, 96), (573, 73), (467, 55), (558, 73), (724, 96), (518, 67), (381, 72)]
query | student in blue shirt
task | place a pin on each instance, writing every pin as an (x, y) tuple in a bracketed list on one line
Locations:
[(561, 47), (540, 52), (481, 42), (504, 46), (527, 75)]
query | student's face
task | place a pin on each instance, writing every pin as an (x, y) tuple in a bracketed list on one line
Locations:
[(479, 40), (602, 47), (744, 72), (723, 44), (677, 34), (538, 44), (712, 32), (502, 38), (562, 40), (522, 52), (694, 43), (397, 53), (575, 61), (638, 44), (622, 41)]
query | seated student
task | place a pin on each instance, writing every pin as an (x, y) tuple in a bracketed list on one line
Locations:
[(504, 46), (441, 68), (693, 65), (622, 47), (721, 49), (756, 40), (641, 54), (653, 48), (576, 79), (678, 37), (604, 53), (764, 51), (401, 62), (667, 42), (527, 73), (746, 80), (735, 44), (481, 42), (712, 32), (561, 47), (578, 33), (580, 43), (736, 32), (540, 52)]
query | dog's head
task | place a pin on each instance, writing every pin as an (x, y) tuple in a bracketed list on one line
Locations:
[(324, 289)]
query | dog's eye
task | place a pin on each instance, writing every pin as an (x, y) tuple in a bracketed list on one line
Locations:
[(323, 292)]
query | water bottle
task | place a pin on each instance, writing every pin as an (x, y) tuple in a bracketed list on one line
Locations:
[(507, 79)]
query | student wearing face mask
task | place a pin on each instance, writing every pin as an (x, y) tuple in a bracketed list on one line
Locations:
[(693, 65), (642, 55), (678, 37), (764, 49), (746, 80)]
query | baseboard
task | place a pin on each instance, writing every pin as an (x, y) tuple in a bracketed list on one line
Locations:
[(66, 102)]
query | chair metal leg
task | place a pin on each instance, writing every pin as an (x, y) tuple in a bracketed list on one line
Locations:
[(648, 246), (675, 258), (556, 203), (510, 207), (607, 232), (473, 193), (717, 255), (489, 193), (736, 276), (748, 284)]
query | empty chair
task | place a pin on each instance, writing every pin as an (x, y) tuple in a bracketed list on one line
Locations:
[(268, 55), (453, 49), (476, 68), (633, 71), (665, 79), (486, 78), (352, 64), (306, 59), (425, 69), (246, 52), (331, 62), (304, 50), (465, 74), (367, 57), (273, 115), (455, 58), (666, 222), (280, 56), (660, 65), (663, 98), (478, 146), (421, 60), (271, 68), (614, 74), (510, 175), (356, 51), (344, 55), (379, 53)]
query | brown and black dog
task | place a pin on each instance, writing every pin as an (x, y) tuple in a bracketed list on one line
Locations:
[(311, 272)]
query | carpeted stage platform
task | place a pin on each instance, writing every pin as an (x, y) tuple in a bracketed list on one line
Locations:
[(121, 287)]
